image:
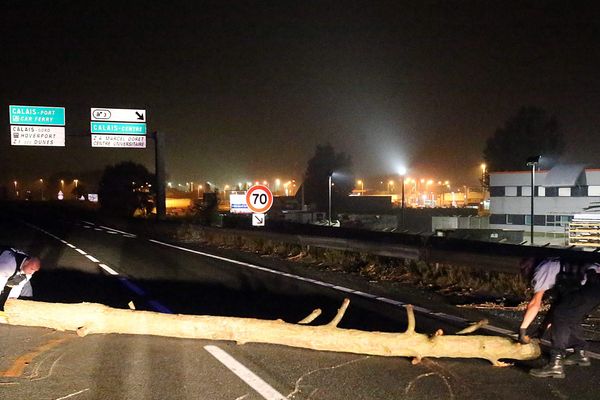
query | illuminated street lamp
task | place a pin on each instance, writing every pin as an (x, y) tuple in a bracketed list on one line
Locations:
[(483, 171), (362, 185), (42, 187), (199, 188), (532, 162), (16, 191), (390, 184)]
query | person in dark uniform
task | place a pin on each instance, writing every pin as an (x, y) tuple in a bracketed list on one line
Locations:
[(577, 292)]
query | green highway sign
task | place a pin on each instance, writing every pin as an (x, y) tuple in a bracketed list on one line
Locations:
[(118, 128), (37, 115)]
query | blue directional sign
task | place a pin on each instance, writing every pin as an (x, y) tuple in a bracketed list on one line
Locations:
[(118, 128), (37, 115)]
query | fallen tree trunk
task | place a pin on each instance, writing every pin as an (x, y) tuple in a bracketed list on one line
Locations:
[(86, 318)]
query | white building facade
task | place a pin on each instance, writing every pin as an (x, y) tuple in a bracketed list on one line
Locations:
[(559, 194)]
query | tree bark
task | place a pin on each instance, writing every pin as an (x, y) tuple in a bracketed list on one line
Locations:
[(86, 318)]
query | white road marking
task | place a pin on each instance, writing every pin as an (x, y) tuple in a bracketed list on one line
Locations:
[(80, 251), (92, 258), (251, 379), (116, 230), (108, 269), (73, 394), (70, 245)]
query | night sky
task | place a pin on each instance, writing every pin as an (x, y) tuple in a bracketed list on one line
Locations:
[(246, 90)]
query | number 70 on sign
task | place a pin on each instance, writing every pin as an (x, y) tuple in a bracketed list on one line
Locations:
[(259, 199)]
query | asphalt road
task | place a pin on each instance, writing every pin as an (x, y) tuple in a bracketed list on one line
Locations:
[(85, 260)]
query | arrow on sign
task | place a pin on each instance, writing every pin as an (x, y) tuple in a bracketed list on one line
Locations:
[(140, 116), (258, 219)]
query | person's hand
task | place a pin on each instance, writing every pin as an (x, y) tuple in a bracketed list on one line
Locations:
[(15, 280), (523, 336)]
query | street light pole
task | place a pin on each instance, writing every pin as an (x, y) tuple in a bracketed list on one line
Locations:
[(403, 201), (532, 162), (402, 181), (329, 213)]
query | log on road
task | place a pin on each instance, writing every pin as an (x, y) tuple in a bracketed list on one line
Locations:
[(87, 318)]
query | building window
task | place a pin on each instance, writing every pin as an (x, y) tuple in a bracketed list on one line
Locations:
[(593, 190), (511, 191), (564, 192), (551, 192), (579, 191), (515, 219), (558, 220), (498, 219), (496, 191), (565, 219), (528, 220), (526, 191), (541, 191)]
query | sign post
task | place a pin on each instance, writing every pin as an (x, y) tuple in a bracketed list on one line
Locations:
[(259, 200)]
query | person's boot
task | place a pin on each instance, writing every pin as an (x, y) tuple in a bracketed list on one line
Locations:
[(578, 358), (554, 368)]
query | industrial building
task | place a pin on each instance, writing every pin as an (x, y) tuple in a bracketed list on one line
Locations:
[(560, 194)]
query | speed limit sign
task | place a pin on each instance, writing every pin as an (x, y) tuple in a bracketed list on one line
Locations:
[(259, 199)]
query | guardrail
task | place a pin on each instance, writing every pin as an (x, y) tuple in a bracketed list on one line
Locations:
[(490, 256)]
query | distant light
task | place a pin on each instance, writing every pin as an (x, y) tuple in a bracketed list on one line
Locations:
[(402, 171), (483, 167), (422, 180)]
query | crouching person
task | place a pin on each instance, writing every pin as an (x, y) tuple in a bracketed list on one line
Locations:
[(577, 293), (16, 270)]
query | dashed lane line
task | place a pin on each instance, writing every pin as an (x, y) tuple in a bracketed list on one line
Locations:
[(155, 305), (92, 259), (251, 379)]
